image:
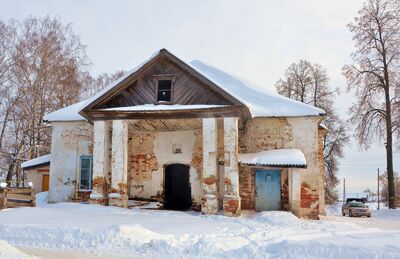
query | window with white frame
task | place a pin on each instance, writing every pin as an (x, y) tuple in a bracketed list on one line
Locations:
[(86, 168)]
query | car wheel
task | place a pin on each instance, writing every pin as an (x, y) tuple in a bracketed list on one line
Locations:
[(343, 214), (350, 213), (368, 216)]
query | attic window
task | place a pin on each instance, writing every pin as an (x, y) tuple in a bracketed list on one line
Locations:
[(164, 90)]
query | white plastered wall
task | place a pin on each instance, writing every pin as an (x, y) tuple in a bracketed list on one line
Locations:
[(70, 140)]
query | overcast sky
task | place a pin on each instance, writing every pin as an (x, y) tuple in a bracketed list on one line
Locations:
[(257, 40)]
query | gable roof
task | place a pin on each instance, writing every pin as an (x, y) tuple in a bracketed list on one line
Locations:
[(260, 101)]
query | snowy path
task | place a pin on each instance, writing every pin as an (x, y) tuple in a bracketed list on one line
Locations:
[(376, 221), (384, 218), (110, 231)]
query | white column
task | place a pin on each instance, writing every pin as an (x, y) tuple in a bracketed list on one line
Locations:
[(294, 191), (209, 203), (119, 167), (231, 176), (100, 162)]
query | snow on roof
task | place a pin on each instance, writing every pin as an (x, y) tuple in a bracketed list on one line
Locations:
[(275, 157), (36, 161), (69, 113), (261, 102), (161, 107)]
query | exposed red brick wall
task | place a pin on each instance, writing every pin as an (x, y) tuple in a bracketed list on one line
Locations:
[(310, 201), (246, 187), (284, 191)]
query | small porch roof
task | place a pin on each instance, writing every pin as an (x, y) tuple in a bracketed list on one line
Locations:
[(39, 161), (274, 158)]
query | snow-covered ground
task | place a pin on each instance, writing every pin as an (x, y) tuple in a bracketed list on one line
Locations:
[(383, 218), (10, 252), (111, 231)]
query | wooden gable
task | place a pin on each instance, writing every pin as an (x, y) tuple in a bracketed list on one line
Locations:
[(188, 88)]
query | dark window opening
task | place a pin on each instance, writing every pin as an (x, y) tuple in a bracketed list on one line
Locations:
[(164, 91), (86, 167)]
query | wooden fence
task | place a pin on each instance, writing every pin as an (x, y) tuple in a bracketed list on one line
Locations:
[(12, 197)]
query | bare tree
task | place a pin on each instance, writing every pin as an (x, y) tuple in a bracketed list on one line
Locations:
[(374, 76), (383, 179), (93, 85), (309, 83), (43, 67), (45, 71)]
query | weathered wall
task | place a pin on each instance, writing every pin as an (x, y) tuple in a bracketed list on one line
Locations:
[(70, 140), (35, 176), (247, 187), (321, 165), (149, 152), (273, 133)]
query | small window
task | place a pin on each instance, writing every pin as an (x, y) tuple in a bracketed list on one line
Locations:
[(164, 91), (86, 167)]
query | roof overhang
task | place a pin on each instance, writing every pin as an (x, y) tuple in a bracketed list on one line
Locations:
[(217, 112), (36, 162)]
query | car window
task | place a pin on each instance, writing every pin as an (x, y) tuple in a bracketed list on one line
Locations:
[(357, 204)]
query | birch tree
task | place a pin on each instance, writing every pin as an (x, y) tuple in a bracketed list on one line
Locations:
[(374, 78), (43, 67), (309, 83), (44, 72)]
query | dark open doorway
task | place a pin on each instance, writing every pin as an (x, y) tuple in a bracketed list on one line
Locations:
[(177, 190)]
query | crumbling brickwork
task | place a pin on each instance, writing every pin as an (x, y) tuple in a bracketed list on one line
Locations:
[(322, 131), (142, 161), (284, 190), (246, 187), (261, 134), (309, 201)]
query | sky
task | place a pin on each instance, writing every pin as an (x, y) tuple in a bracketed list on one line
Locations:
[(257, 40)]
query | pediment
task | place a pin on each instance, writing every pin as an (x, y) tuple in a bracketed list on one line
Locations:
[(140, 87)]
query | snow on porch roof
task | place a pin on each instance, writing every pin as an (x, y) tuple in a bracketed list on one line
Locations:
[(261, 102), (36, 161), (275, 158)]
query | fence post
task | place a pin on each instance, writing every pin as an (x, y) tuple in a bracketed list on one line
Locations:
[(4, 202), (33, 196)]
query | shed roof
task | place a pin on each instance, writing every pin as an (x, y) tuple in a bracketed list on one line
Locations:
[(42, 160), (261, 101), (275, 158)]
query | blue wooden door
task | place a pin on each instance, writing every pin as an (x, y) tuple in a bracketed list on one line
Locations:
[(268, 190)]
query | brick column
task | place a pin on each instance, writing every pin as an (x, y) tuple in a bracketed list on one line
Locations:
[(209, 202), (119, 167), (294, 191), (100, 162), (231, 170)]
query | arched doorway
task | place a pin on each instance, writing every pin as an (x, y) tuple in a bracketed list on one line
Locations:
[(177, 190)]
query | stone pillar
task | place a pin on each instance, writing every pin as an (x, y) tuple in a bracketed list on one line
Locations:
[(119, 167), (294, 191), (100, 162), (209, 202), (231, 170)]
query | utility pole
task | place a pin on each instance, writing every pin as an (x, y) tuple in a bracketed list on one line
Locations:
[(344, 190), (378, 190)]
